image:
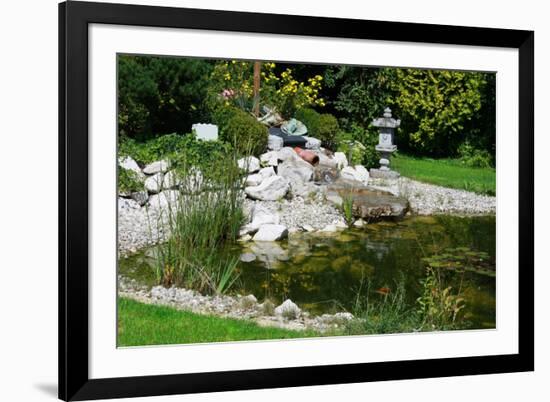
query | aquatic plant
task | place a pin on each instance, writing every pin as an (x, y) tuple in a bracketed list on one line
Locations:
[(202, 215), (439, 305), (347, 208)]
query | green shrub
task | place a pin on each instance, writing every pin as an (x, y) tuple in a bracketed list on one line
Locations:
[(310, 118), (327, 131), (474, 157), (241, 130), (128, 181)]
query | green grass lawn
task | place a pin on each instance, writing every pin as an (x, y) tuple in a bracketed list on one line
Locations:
[(143, 324), (446, 172)]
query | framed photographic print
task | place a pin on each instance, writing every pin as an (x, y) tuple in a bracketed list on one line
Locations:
[(257, 200)]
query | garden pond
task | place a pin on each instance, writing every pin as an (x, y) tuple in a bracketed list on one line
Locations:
[(330, 272)]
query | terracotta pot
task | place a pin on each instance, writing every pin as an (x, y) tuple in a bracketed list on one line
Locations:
[(308, 156)]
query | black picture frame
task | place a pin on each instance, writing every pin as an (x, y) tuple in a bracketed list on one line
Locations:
[(74, 18)]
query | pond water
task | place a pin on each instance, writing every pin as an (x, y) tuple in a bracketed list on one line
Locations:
[(326, 273)]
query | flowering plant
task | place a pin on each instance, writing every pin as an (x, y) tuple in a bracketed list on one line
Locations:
[(232, 83)]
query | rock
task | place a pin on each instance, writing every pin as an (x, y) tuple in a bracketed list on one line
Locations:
[(288, 309), (363, 173), (341, 225), (259, 218), (128, 163), (334, 199), (359, 173), (248, 302), (359, 223), (325, 174), (156, 167), (367, 201), (267, 172), (329, 229), (271, 232), (245, 238), (250, 164), (312, 143), (340, 159), (288, 154), (247, 257), (298, 173), (125, 203), (140, 197), (269, 252), (271, 189), (325, 160), (308, 228), (193, 180), (170, 180), (269, 158), (153, 184), (164, 199), (274, 142), (253, 179)]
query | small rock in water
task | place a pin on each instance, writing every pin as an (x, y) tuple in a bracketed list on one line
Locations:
[(359, 223), (329, 228), (271, 232), (247, 257)]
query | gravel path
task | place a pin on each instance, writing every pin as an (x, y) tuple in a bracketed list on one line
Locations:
[(429, 199)]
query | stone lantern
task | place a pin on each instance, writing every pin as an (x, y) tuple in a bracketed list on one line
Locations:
[(385, 146)]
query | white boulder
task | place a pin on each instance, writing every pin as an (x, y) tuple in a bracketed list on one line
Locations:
[(288, 154), (312, 143), (156, 167), (288, 309), (271, 232), (269, 158), (253, 179), (249, 164), (260, 217), (274, 142), (341, 160), (153, 184), (128, 163), (267, 172), (271, 189), (165, 199), (358, 173), (170, 180)]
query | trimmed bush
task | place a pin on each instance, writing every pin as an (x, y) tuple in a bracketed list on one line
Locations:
[(310, 118), (241, 130), (322, 126), (327, 131)]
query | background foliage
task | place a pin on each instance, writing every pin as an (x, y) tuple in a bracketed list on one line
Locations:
[(444, 114)]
